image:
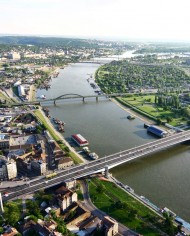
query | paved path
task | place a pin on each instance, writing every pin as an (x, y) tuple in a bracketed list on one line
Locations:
[(61, 137), (123, 230)]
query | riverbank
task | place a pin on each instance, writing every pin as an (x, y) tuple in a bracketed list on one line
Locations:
[(132, 112), (77, 158), (125, 208)]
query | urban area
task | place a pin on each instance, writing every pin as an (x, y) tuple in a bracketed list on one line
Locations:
[(54, 186)]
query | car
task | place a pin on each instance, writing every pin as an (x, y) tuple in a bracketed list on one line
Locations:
[(5, 194)]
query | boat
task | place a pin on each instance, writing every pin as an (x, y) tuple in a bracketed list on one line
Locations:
[(60, 128), (86, 150), (130, 117), (93, 156), (79, 140), (56, 121), (43, 96), (129, 189)]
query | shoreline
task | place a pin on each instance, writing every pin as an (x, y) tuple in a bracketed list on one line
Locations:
[(129, 110), (61, 136)]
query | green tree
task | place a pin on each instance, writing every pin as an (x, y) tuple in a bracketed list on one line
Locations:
[(12, 213)]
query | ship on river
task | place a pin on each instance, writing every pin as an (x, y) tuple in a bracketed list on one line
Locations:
[(79, 140)]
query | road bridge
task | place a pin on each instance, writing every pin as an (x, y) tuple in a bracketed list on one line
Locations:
[(101, 164)]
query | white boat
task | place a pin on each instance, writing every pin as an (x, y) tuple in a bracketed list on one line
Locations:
[(86, 150), (42, 96), (93, 156)]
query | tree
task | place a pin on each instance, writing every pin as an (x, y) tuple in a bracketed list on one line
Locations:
[(100, 188), (12, 213), (159, 121)]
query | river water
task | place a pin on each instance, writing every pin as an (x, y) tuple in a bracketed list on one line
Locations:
[(163, 177)]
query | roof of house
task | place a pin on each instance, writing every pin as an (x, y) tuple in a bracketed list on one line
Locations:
[(64, 160), (63, 192), (108, 222)]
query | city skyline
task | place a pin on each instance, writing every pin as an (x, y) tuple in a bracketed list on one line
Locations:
[(106, 19)]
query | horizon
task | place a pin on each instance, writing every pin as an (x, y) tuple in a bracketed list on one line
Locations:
[(112, 39), (165, 21)]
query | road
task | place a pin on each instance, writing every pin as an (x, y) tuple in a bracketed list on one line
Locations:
[(123, 230), (98, 165)]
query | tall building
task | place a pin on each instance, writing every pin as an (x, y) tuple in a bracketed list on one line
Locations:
[(14, 56), (39, 167), (8, 169)]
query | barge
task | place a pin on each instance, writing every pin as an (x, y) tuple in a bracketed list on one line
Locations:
[(79, 140)]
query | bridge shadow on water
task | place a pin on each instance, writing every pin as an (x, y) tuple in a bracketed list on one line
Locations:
[(143, 134)]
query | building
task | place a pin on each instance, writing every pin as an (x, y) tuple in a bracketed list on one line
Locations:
[(11, 169), (89, 226), (21, 91), (156, 131), (22, 142), (70, 184), (79, 214), (9, 231), (64, 162), (4, 141), (14, 56), (8, 169), (39, 167), (110, 226), (65, 197), (43, 228)]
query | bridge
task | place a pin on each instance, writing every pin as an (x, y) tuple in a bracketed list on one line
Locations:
[(71, 96), (100, 165)]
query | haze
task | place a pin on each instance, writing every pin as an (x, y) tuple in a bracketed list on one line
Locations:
[(117, 19)]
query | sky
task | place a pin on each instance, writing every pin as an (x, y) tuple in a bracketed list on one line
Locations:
[(165, 20)]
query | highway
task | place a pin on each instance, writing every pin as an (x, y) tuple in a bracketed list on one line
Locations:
[(100, 164)]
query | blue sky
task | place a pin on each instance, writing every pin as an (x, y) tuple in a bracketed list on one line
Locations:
[(134, 19)]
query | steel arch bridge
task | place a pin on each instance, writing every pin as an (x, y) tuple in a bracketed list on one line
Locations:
[(67, 96)]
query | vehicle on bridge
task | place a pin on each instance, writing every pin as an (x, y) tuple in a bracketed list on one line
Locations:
[(49, 176)]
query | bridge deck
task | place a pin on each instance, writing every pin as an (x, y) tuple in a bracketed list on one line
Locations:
[(99, 165)]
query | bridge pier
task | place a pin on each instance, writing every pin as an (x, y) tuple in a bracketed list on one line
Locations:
[(106, 172)]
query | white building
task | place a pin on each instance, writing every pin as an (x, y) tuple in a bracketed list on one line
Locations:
[(65, 197), (8, 169), (14, 56), (11, 169), (21, 91)]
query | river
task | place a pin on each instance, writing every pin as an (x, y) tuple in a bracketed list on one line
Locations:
[(163, 177)]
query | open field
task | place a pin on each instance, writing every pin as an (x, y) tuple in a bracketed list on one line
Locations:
[(145, 106), (124, 208)]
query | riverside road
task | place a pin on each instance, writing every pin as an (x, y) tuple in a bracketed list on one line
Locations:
[(99, 165)]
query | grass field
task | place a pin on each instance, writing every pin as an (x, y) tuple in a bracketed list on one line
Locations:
[(146, 106), (106, 202)]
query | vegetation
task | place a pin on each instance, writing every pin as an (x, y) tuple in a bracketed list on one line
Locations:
[(12, 212), (55, 42), (123, 76), (152, 107), (124, 208)]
